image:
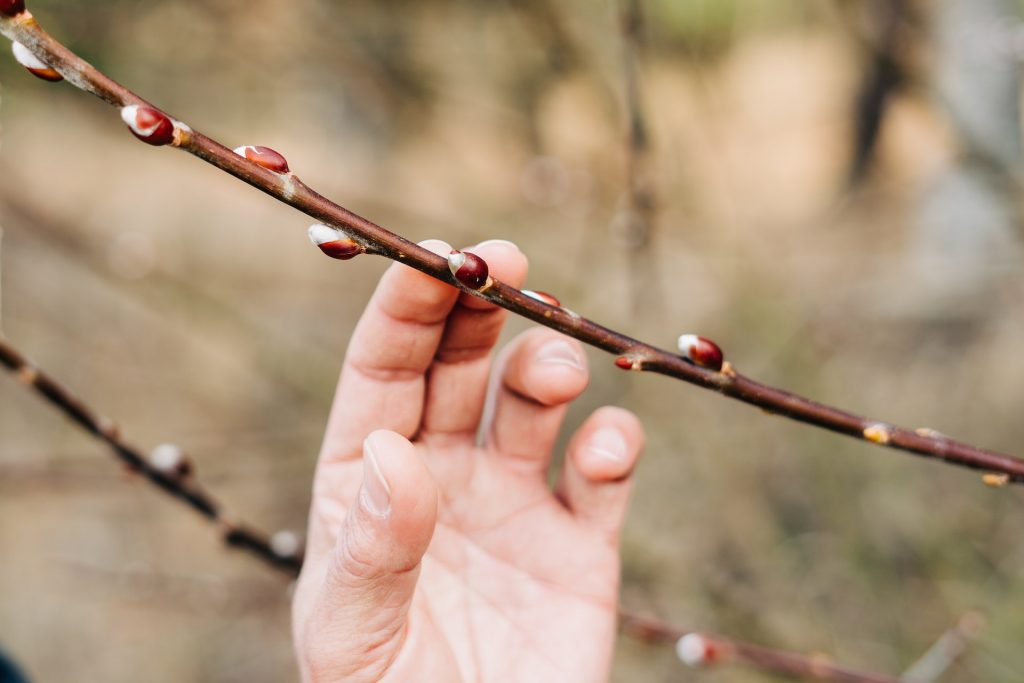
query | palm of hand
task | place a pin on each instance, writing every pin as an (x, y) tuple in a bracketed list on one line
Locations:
[(517, 582)]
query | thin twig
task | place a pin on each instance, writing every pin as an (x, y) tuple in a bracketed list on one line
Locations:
[(176, 482), (635, 222), (700, 649), (947, 650), (632, 353)]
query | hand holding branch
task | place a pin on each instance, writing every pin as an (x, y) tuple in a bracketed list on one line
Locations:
[(449, 557)]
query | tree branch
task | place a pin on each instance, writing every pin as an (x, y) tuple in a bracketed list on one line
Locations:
[(372, 238), (706, 650), (169, 471)]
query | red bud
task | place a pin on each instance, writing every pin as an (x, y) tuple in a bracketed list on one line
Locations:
[(12, 7), (35, 66), (468, 268), (701, 351), (543, 297), (333, 242), (265, 157), (149, 125)]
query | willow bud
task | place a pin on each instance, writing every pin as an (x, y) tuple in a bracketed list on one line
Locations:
[(333, 242), (12, 7), (35, 66), (265, 157), (701, 351), (695, 650), (542, 297), (168, 459), (468, 268), (285, 543), (148, 124)]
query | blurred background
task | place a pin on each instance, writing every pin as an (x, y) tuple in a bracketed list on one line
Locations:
[(830, 190)]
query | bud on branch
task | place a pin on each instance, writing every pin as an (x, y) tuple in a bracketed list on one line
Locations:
[(12, 7), (154, 127), (166, 467), (35, 66), (148, 124), (265, 157), (333, 242), (468, 268)]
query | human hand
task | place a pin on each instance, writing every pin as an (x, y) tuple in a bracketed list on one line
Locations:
[(442, 559)]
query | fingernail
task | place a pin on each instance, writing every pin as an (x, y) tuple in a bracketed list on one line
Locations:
[(504, 243), (376, 495), (608, 443), (560, 352), (439, 247)]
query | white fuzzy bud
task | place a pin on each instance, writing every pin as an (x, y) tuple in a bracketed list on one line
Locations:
[(167, 458), (26, 58), (322, 234), (285, 543), (692, 650)]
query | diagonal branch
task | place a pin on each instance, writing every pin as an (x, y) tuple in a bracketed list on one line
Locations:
[(172, 474), (20, 26)]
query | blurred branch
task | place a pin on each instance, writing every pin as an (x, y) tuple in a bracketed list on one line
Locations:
[(884, 75), (634, 223), (706, 650), (947, 650), (371, 238), (177, 479), (173, 476)]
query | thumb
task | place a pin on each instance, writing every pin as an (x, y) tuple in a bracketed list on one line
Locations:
[(358, 624)]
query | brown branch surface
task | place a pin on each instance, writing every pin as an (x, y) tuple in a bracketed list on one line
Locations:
[(641, 356), (179, 485)]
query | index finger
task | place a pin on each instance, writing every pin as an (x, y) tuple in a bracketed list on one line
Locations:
[(383, 379)]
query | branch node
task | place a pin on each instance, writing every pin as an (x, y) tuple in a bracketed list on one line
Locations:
[(996, 481), (629, 363), (878, 433), (27, 375)]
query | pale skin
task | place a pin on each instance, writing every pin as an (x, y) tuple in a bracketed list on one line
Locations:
[(437, 550)]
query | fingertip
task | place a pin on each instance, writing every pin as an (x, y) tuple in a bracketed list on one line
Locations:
[(609, 445), (548, 368), (399, 495), (595, 483)]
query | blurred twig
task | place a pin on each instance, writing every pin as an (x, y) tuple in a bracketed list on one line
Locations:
[(706, 650), (947, 650), (635, 221), (178, 482), (884, 75)]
